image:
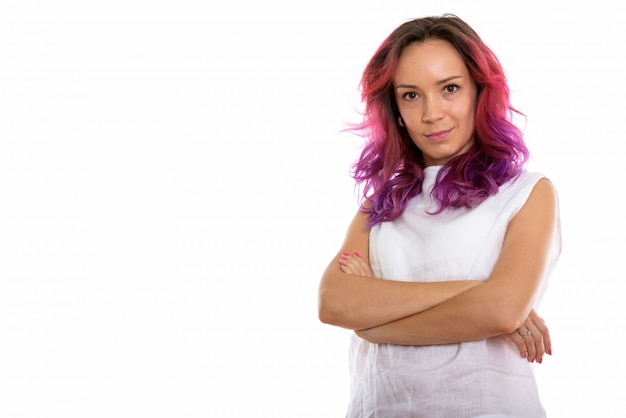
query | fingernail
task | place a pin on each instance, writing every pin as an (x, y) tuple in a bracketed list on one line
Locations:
[(549, 352), (524, 356), (532, 360), (357, 254), (539, 360)]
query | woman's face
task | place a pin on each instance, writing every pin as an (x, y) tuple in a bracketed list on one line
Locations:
[(436, 96)]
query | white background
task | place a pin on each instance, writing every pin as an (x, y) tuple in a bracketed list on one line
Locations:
[(173, 181)]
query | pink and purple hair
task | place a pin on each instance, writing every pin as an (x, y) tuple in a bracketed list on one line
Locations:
[(390, 167)]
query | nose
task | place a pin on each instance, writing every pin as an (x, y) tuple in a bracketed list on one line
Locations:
[(433, 111)]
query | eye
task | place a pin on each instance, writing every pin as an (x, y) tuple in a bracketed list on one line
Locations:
[(451, 88), (411, 95)]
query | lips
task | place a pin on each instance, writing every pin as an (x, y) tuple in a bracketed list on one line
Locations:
[(438, 136)]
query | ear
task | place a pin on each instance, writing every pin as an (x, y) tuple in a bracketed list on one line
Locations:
[(401, 122)]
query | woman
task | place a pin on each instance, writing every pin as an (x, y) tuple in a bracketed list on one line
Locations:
[(462, 234)]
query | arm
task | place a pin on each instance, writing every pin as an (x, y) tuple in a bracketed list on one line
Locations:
[(357, 301), (501, 304), (531, 339)]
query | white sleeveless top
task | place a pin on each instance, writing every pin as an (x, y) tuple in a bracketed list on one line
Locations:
[(486, 378)]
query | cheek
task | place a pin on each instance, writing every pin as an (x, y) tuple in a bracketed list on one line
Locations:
[(406, 113), (416, 138), (411, 118), (466, 112)]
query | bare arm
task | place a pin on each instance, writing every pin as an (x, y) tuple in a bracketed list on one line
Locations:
[(501, 304), (357, 301)]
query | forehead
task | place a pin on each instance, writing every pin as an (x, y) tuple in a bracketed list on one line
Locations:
[(430, 60)]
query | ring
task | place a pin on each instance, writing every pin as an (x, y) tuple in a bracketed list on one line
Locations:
[(527, 334)]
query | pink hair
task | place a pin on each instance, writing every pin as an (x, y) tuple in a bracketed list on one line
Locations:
[(390, 167)]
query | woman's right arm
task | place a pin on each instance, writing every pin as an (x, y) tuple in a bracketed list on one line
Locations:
[(357, 302)]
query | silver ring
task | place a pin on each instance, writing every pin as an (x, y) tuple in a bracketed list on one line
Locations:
[(527, 334)]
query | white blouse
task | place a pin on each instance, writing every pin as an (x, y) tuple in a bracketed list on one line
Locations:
[(486, 378)]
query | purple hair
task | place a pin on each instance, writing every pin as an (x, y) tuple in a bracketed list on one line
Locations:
[(390, 167)]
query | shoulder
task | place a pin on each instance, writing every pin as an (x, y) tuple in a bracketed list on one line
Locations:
[(541, 196), (538, 206), (522, 186), (513, 195), (526, 178)]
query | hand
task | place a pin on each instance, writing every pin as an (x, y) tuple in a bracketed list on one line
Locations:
[(532, 339), (354, 264)]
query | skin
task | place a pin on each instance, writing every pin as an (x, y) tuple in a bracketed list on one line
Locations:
[(436, 98)]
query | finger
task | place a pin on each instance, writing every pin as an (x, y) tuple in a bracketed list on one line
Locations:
[(519, 342), (529, 341), (536, 340), (342, 259), (543, 329), (363, 265), (345, 268), (345, 264), (351, 265), (540, 334)]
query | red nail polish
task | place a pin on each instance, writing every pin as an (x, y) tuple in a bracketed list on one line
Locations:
[(357, 254), (539, 360), (549, 352)]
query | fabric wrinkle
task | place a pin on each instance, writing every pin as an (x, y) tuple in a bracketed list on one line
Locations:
[(471, 379)]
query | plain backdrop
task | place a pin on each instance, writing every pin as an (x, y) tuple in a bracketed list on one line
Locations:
[(174, 180)]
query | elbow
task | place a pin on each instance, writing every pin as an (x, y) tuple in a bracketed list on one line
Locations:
[(324, 313), (327, 311), (506, 318), (331, 310), (507, 325), (325, 316)]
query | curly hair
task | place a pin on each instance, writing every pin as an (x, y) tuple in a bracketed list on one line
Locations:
[(390, 167)]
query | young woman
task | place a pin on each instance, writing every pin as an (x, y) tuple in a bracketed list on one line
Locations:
[(461, 234)]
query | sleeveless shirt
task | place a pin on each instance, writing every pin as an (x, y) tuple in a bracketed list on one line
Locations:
[(486, 378)]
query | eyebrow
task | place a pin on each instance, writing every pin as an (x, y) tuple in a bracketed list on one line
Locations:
[(445, 80)]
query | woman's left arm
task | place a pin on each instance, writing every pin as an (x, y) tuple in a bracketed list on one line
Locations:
[(501, 304)]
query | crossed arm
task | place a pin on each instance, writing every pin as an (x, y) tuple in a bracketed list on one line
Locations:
[(409, 313)]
